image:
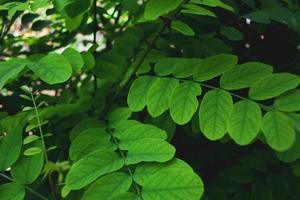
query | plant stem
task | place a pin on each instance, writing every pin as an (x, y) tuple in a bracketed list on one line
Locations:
[(40, 127), (26, 187), (264, 107), (128, 169), (132, 71)]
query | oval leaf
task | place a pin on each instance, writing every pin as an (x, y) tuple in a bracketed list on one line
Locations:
[(160, 94), (91, 167), (289, 101), (244, 123), (214, 113), (278, 130), (173, 185), (184, 102), (108, 186), (52, 69), (12, 191), (273, 85)]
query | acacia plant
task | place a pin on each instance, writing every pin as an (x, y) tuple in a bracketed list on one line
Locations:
[(97, 95)]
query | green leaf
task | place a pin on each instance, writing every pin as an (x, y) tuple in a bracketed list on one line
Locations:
[(77, 7), (134, 134), (184, 102), (213, 3), (88, 141), (10, 147), (118, 115), (231, 33), (179, 67), (73, 24), (52, 69), (149, 150), (28, 168), (74, 58), (273, 85), (89, 61), (91, 167), (83, 125), (245, 121), (10, 69), (289, 101), (156, 8), (173, 184), (108, 186), (214, 66), (293, 153), (126, 196), (160, 95), (196, 10), (12, 191), (214, 113), (245, 75), (278, 130), (145, 170), (30, 139), (138, 93), (182, 28), (32, 151)]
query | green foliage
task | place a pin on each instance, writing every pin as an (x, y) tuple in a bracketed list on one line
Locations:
[(148, 100)]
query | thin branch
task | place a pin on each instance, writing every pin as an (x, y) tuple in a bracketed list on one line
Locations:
[(264, 107), (128, 169), (131, 72)]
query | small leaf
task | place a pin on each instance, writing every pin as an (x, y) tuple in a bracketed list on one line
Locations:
[(197, 10), (273, 85), (32, 151), (92, 166), (173, 184), (184, 102), (245, 75), (149, 150), (160, 95), (25, 97), (138, 93), (182, 28), (214, 66), (30, 139), (156, 8), (289, 101), (25, 89), (231, 33), (12, 191), (214, 113), (245, 121), (278, 130), (51, 148), (108, 186), (213, 3)]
